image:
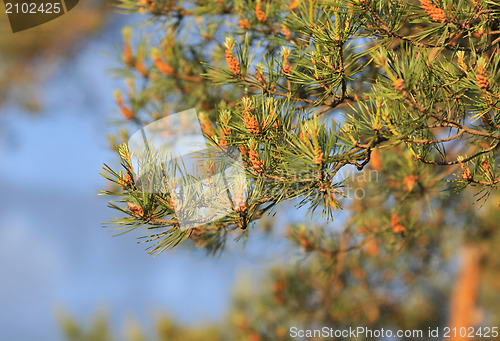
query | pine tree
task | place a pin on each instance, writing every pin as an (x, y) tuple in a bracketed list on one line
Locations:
[(404, 91), (307, 88)]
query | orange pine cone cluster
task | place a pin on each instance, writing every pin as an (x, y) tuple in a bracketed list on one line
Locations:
[(399, 86), (206, 127), (261, 77), (481, 78), (127, 56), (477, 4), (244, 153), (124, 110), (305, 138), (486, 167), (232, 63), (126, 182), (146, 4), (127, 113), (251, 123), (139, 65), (136, 210), (371, 247), (466, 174), (174, 201), (305, 241), (395, 224), (286, 32), (255, 161), (287, 69), (163, 66), (249, 119), (293, 5), (239, 200), (278, 289), (259, 13), (224, 132), (434, 12), (319, 156), (195, 235), (244, 24), (330, 198)]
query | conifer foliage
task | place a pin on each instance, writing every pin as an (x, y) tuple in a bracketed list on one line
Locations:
[(306, 88)]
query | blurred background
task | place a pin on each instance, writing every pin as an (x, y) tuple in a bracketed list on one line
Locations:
[(56, 107)]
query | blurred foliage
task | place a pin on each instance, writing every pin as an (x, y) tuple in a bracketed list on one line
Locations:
[(29, 57), (164, 329), (393, 281)]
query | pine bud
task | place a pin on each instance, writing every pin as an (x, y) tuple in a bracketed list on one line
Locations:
[(225, 131), (118, 97), (293, 5), (249, 119), (127, 113), (477, 4), (481, 76), (160, 64), (259, 75), (232, 63), (251, 123), (285, 52), (486, 167), (126, 181), (139, 63), (244, 24), (395, 224), (239, 198), (399, 86), (259, 13), (255, 161), (380, 58), (319, 156), (127, 56), (305, 136), (435, 13), (286, 32), (206, 125), (136, 210), (306, 242), (244, 153), (466, 174)]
